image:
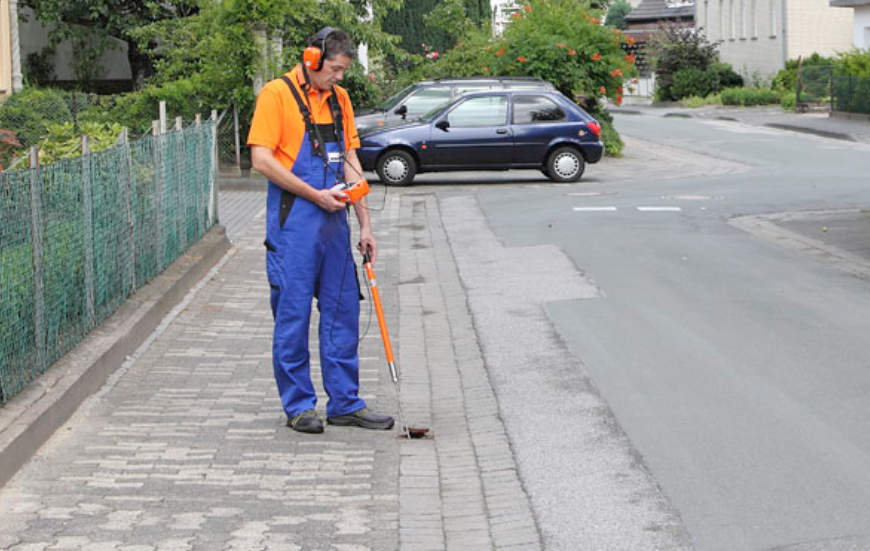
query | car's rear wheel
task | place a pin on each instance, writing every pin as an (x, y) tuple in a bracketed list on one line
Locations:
[(565, 164), (396, 167)]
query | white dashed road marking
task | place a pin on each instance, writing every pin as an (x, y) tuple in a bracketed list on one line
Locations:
[(659, 209), (594, 209)]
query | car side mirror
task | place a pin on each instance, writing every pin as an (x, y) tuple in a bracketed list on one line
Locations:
[(443, 124), (402, 111)]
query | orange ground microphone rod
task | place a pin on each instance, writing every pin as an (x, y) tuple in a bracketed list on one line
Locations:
[(385, 336)]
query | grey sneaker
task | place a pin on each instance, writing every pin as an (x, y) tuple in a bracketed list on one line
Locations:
[(363, 418), (307, 421)]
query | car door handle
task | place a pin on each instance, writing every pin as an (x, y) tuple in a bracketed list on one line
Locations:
[(501, 131)]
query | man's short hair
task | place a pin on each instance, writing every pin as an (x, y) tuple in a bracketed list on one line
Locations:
[(338, 43)]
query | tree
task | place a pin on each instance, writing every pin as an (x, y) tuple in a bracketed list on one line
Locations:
[(89, 24), (675, 48), (616, 14)]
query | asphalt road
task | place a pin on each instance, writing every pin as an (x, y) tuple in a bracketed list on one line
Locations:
[(737, 371)]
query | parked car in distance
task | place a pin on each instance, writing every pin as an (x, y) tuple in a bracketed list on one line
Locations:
[(421, 97), (495, 130)]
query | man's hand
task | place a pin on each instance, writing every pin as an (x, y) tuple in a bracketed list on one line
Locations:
[(367, 243), (331, 200)]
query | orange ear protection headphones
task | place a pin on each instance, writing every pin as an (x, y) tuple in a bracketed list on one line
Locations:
[(313, 55)]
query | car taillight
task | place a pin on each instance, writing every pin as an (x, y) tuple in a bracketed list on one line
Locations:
[(595, 128)]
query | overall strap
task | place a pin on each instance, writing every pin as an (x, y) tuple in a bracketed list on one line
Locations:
[(337, 116), (310, 128)]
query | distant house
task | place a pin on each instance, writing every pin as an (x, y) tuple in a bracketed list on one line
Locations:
[(861, 13), (641, 23), (759, 36)]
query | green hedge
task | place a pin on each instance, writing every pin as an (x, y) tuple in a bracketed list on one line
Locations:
[(749, 96)]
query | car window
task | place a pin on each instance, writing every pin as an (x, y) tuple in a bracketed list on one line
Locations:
[(529, 109), (484, 111), (426, 99), (394, 100)]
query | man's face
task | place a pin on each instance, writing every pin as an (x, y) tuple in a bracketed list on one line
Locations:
[(331, 73)]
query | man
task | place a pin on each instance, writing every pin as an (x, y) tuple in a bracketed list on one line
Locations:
[(303, 138)]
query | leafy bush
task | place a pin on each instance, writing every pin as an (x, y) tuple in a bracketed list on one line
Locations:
[(787, 100), (728, 77), (673, 48), (692, 81), (855, 62), (697, 101), (616, 13), (29, 112), (786, 79), (749, 96)]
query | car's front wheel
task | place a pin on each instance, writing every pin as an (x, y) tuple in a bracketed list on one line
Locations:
[(565, 164), (396, 167)]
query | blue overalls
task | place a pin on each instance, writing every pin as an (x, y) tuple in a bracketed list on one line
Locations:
[(308, 255)]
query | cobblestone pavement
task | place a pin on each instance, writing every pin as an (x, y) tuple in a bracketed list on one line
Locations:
[(186, 448)]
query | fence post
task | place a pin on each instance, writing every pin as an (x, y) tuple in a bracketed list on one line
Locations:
[(238, 148), (162, 116), (214, 168), (88, 212), (180, 185), (158, 193), (831, 80), (201, 198), (38, 277), (126, 183)]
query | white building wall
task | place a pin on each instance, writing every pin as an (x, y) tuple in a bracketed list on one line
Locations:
[(750, 31), (862, 26), (814, 26)]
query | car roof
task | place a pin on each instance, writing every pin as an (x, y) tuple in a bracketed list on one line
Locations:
[(487, 80)]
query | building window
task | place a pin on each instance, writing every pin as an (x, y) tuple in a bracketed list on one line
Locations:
[(772, 17), (754, 18), (743, 18), (732, 19)]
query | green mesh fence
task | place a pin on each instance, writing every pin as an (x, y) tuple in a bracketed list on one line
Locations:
[(851, 94), (78, 236)]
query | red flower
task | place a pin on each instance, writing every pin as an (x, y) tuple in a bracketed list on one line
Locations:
[(630, 58), (516, 15), (372, 78), (603, 90), (616, 72), (630, 41), (527, 8), (522, 59), (618, 100), (596, 56), (572, 52), (500, 52)]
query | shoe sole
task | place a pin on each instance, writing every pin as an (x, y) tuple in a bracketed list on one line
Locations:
[(307, 430), (361, 423)]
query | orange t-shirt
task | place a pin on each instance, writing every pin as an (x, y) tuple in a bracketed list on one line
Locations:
[(278, 123)]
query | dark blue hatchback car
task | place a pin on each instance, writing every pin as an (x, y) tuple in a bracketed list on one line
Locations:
[(496, 130)]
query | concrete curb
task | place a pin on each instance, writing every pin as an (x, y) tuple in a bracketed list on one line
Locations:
[(816, 131), (30, 418), (767, 227)]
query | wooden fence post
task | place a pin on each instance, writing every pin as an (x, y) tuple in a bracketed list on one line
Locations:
[(38, 276), (126, 183), (214, 169), (88, 217)]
